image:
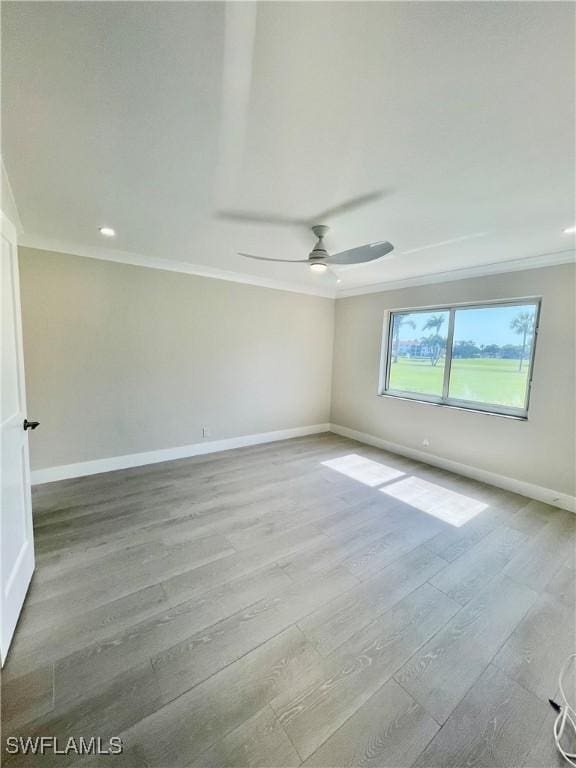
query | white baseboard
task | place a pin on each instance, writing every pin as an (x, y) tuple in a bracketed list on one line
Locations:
[(538, 492), (67, 471)]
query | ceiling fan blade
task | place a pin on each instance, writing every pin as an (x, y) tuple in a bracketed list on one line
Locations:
[(247, 217), (361, 254), (266, 258), (278, 220), (348, 206)]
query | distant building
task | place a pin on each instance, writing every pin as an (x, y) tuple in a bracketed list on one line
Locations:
[(414, 348)]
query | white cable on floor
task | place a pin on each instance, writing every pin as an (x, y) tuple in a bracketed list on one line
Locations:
[(566, 715)]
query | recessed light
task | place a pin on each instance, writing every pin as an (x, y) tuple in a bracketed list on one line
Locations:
[(570, 230), (318, 267), (107, 231)]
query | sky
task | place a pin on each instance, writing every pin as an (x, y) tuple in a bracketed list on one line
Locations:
[(490, 325)]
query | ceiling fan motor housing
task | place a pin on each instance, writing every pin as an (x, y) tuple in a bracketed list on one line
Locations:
[(319, 252)]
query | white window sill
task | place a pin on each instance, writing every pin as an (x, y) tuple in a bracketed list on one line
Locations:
[(466, 408)]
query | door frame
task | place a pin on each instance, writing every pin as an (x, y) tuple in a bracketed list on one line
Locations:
[(13, 592)]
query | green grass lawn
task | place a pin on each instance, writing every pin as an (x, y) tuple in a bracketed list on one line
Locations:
[(481, 380)]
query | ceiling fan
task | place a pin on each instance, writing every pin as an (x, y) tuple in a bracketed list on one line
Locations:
[(319, 259)]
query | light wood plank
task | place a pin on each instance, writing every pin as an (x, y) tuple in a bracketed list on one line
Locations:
[(198, 581), (27, 698), (562, 585), (131, 697), (104, 660), (38, 640), (332, 624), (536, 563), (440, 674), (260, 742), (493, 727), (470, 573), (204, 653), (544, 753), (389, 731), (392, 546), (360, 667), (186, 727), (536, 650), (454, 542)]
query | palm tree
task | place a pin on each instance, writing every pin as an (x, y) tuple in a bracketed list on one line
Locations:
[(399, 321), (436, 342), (523, 324)]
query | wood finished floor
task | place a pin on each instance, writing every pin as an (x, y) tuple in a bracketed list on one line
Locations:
[(303, 602)]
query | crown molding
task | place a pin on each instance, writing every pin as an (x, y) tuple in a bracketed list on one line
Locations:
[(565, 256), (40, 243)]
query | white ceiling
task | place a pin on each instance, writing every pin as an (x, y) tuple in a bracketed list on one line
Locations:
[(152, 117)]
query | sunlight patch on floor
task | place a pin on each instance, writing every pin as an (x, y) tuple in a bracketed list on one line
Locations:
[(366, 471), (449, 506)]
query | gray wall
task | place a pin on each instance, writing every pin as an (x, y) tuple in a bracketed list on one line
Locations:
[(123, 359), (539, 451)]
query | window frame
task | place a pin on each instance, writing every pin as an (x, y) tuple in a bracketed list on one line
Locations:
[(445, 400)]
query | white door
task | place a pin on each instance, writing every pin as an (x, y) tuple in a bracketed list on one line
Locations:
[(17, 544)]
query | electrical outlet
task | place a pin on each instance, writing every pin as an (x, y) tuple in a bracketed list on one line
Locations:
[(206, 432), (425, 442)]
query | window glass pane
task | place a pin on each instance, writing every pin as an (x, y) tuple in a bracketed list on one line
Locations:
[(491, 354), (418, 352)]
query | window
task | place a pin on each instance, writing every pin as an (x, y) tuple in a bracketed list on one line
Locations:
[(473, 356)]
